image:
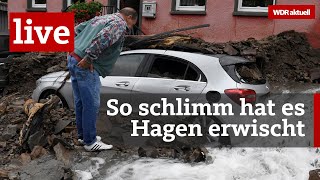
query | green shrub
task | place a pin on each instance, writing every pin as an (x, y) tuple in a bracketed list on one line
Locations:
[(84, 11)]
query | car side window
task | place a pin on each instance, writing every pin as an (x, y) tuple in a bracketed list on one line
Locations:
[(192, 74), (127, 65), (167, 68)]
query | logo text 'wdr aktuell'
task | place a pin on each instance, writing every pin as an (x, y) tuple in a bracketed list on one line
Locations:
[(41, 32)]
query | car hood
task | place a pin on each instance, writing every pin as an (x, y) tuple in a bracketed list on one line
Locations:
[(55, 75)]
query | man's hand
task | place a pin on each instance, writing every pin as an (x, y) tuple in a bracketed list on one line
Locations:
[(84, 65)]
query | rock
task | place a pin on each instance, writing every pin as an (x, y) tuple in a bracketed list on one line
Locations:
[(25, 158), (4, 173), (61, 124), (53, 69), (37, 152), (45, 167), (18, 102), (3, 144), (142, 152), (10, 132), (13, 175), (230, 50), (62, 154), (315, 75), (197, 155), (17, 120), (249, 52), (314, 174), (3, 107), (37, 139)]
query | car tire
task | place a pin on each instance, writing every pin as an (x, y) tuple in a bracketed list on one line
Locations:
[(48, 95)]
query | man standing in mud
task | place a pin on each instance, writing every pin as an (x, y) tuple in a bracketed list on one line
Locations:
[(98, 43)]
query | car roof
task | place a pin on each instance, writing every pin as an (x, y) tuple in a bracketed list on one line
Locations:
[(224, 58)]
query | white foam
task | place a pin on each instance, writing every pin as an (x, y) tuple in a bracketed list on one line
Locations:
[(228, 164)]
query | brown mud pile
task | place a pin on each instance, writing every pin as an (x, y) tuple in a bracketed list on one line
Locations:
[(286, 57)]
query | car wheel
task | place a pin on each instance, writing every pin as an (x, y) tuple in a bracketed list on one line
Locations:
[(47, 95)]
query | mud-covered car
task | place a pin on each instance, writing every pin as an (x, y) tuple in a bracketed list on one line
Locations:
[(167, 73)]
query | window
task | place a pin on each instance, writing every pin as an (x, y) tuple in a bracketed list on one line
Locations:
[(252, 7), (167, 68), (127, 65), (186, 6), (39, 3), (70, 2)]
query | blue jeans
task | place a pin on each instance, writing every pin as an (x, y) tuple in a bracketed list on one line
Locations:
[(86, 91)]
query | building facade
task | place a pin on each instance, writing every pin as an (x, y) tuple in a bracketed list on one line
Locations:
[(230, 20)]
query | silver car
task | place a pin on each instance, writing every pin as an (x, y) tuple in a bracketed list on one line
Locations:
[(166, 72)]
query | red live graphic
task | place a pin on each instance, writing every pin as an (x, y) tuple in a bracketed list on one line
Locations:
[(41, 32), (316, 114), (292, 12)]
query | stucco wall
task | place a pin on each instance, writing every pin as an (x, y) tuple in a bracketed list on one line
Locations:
[(225, 26), (21, 5)]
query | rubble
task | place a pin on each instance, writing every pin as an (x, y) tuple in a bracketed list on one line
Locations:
[(37, 152), (314, 174), (286, 57)]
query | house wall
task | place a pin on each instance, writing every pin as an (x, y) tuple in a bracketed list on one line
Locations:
[(21, 5), (226, 27)]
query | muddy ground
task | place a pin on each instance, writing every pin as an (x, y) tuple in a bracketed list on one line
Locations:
[(284, 59)]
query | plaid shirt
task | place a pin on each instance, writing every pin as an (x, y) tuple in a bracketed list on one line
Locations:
[(115, 28)]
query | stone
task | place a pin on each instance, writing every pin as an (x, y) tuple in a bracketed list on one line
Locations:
[(249, 52), (3, 144), (10, 132), (53, 69), (315, 75), (62, 154), (13, 175), (4, 173), (25, 158), (18, 102), (197, 155), (45, 167), (61, 124), (142, 152), (314, 174), (37, 139), (230, 50), (37, 152)]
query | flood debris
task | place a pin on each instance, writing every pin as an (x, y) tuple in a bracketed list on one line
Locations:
[(314, 174), (286, 57), (48, 134)]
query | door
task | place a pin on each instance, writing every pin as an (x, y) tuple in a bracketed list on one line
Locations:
[(118, 85), (169, 77), (123, 77)]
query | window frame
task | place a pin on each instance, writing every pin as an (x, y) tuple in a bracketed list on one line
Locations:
[(194, 10), (239, 10), (152, 58), (34, 5)]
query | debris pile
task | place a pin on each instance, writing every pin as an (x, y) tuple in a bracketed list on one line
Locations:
[(285, 57), (25, 70)]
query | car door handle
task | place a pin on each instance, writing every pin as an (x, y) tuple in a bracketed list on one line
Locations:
[(179, 88), (124, 83)]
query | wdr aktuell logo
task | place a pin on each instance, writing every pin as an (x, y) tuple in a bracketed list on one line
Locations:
[(292, 12), (41, 32)]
